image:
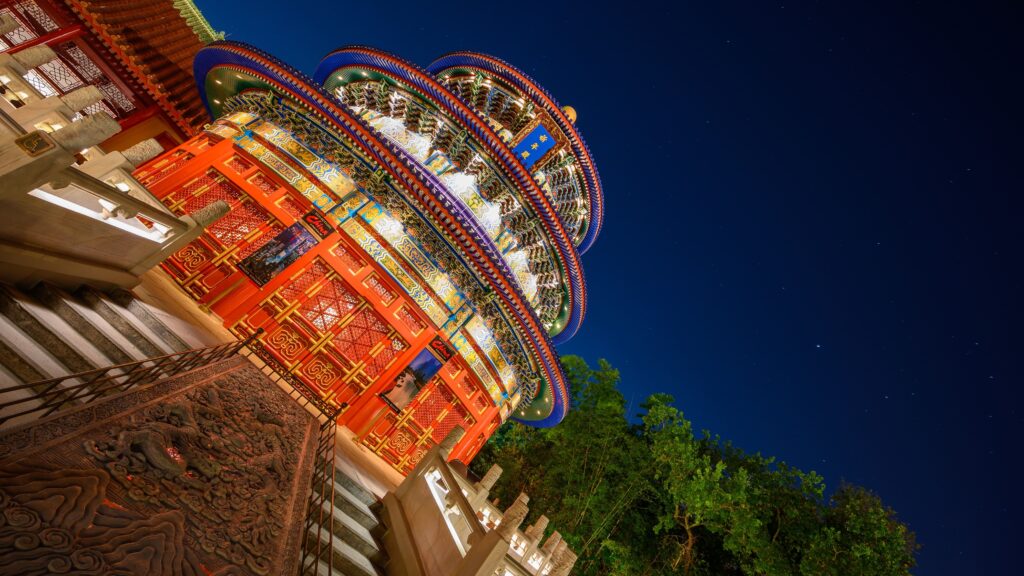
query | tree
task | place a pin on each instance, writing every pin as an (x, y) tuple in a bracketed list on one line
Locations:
[(653, 498), (861, 535)]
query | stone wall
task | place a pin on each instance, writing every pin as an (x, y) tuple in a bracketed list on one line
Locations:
[(203, 473)]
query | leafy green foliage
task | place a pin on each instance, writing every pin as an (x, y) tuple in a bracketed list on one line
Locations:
[(655, 498)]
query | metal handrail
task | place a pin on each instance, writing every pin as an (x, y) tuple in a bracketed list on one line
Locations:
[(73, 390), (318, 535)]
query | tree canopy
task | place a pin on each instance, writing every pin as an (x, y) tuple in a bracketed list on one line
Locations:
[(649, 496)]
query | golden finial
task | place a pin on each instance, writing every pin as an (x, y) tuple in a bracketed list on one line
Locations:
[(570, 112)]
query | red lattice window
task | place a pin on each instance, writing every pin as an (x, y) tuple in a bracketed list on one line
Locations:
[(328, 306), (429, 409), (351, 261), (359, 336), (291, 207), (467, 386), (164, 166), (20, 34), (237, 164), (263, 182), (445, 392), (41, 84), (82, 64), (378, 287), (113, 94), (61, 75), (310, 276), (33, 11), (481, 404), (258, 242), (457, 416), (240, 222), (206, 189), (98, 107), (410, 320), (385, 357)]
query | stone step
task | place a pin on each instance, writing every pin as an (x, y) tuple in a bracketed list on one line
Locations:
[(172, 331), (355, 534), (51, 332), (88, 323), (321, 569), (345, 559), (354, 508), (7, 380), (348, 478), (24, 361), (124, 322)]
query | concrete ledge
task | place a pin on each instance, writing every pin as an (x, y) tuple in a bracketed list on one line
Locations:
[(398, 540), (25, 266)]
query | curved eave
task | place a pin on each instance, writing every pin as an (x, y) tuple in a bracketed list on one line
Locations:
[(246, 67), (378, 63), (540, 97)]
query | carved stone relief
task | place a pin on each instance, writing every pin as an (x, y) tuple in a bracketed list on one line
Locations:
[(204, 473)]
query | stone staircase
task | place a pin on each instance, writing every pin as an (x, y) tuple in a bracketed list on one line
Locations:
[(46, 332), (357, 529)]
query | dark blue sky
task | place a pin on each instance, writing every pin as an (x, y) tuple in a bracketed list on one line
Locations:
[(809, 236)]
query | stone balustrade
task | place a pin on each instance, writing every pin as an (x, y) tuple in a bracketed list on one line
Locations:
[(440, 523), (50, 151)]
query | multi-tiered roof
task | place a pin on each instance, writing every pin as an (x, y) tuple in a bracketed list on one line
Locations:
[(473, 162)]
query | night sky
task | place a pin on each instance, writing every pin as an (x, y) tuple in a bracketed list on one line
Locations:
[(809, 238)]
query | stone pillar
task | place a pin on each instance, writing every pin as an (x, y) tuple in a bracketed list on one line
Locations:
[(534, 534), (564, 564), (142, 152), (8, 24), (449, 442), (37, 158), (37, 110), (82, 98), (483, 487), (490, 478), (34, 56), (87, 132), (553, 541), (536, 530), (485, 557), (558, 552), (197, 222), (514, 516), (102, 166)]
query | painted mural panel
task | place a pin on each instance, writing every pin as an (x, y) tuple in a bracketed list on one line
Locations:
[(262, 265), (415, 376)]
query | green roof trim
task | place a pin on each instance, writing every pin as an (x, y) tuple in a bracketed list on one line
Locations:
[(195, 19)]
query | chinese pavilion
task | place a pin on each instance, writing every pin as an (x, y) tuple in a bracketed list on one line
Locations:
[(138, 53), (405, 241)]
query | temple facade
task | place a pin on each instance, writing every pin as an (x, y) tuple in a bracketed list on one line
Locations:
[(138, 53), (404, 241), (260, 327)]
